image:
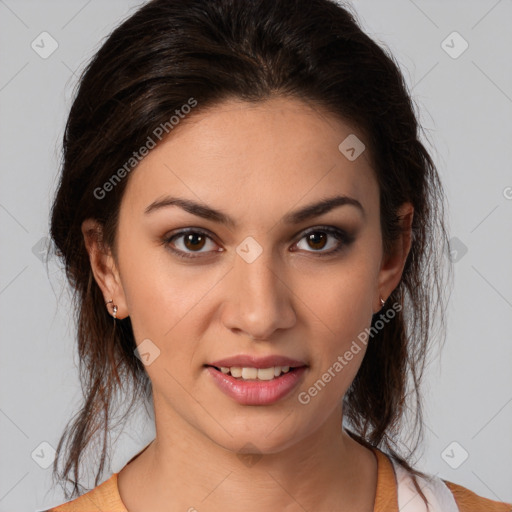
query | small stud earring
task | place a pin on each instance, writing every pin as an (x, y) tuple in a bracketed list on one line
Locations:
[(114, 307), (382, 302)]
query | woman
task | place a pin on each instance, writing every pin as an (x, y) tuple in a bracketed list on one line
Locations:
[(253, 230)]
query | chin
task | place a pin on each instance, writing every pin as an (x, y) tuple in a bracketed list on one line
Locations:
[(266, 438)]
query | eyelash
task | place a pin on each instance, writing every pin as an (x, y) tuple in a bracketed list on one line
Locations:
[(337, 233)]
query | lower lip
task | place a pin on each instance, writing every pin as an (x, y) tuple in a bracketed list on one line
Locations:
[(257, 392)]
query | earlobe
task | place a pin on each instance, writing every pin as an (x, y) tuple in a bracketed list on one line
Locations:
[(104, 268), (393, 263)]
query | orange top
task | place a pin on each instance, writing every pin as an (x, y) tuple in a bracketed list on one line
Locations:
[(106, 498)]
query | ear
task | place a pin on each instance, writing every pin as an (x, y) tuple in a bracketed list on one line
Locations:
[(393, 263), (104, 267)]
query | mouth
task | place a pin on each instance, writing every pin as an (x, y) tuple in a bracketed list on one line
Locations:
[(248, 373), (249, 385)]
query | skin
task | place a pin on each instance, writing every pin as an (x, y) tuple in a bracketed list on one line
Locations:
[(256, 163)]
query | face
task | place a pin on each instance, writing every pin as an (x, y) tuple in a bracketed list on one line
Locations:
[(253, 270)]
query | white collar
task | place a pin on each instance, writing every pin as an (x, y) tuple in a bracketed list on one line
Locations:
[(439, 496)]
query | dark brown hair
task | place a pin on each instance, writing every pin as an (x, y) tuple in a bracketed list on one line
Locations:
[(211, 50)]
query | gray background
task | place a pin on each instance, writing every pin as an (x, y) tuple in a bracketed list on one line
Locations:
[(466, 106)]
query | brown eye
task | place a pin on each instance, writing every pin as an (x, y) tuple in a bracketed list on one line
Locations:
[(194, 241), (190, 243), (317, 240), (329, 237)]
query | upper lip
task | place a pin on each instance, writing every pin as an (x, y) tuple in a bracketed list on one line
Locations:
[(257, 362)]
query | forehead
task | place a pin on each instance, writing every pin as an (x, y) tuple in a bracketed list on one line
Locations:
[(273, 155)]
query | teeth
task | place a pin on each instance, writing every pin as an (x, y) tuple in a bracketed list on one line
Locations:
[(261, 373), (248, 373), (236, 371)]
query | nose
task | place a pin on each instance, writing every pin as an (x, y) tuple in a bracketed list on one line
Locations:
[(259, 301)]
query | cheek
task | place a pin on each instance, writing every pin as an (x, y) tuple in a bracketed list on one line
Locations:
[(341, 298), (161, 296), (339, 305), (339, 317)]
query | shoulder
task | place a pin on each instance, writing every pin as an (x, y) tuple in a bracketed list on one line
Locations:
[(468, 501), (102, 498), (442, 495)]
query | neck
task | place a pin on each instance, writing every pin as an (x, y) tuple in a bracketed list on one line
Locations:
[(326, 470)]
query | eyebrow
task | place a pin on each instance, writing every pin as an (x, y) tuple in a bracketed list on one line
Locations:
[(296, 217)]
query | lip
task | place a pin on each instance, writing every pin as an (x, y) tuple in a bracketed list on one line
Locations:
[(254, 392), (245, 360)]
